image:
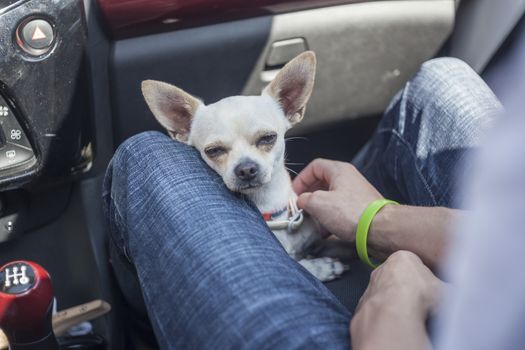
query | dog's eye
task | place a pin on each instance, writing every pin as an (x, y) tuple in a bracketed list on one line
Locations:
[(268, 139), (214, 152)]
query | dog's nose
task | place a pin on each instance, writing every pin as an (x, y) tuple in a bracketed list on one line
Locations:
[(247, 171)]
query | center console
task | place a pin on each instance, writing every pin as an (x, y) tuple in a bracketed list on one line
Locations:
[(45, 132), (45, 124), (46, 151)]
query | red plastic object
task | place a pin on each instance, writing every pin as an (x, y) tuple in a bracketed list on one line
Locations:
[(127, 18), (25, 308)]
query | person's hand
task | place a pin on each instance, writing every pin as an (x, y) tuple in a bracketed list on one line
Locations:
[(393, 310), (335, 194), (403, 278)]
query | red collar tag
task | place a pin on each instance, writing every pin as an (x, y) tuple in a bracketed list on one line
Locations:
[(273, 215)]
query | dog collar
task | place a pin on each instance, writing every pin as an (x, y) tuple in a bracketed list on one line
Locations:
[(293, 220), (271, 216)]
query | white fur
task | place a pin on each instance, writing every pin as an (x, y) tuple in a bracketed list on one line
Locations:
[(236, 123), (232, 121)]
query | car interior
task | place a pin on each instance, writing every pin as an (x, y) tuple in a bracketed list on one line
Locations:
[(70, 75)]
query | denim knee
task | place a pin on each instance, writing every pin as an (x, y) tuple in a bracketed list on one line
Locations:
[(445, 68), (137, 145), (139, 139), (129, 163), (440, 82), (445, 105)]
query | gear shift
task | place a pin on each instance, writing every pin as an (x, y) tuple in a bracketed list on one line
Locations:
[(26, 306)]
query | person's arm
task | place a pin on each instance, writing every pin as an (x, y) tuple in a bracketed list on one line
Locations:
[(424, 231), (336, 194), (402, 291)]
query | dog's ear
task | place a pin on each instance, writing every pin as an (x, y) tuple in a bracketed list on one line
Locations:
[(173, 107), (293, 86)]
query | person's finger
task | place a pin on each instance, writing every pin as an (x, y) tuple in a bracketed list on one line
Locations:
[(312, 187), (309, 200), (303, 199), (313, 203), (310, 178), (315, 176), (302, 202)]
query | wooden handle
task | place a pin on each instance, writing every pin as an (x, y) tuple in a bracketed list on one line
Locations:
[(65, 319)]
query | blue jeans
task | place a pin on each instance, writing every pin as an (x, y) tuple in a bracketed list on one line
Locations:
[(200, 260)]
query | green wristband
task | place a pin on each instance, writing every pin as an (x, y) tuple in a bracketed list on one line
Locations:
[(364, 225)]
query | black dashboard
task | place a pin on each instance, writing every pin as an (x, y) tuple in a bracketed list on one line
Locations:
[(45, 121), (45, 134), (50, 181)]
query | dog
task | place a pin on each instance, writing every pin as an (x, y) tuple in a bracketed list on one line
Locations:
[(242, 139)]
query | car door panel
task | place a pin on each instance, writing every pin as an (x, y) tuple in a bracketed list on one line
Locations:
[(365, 51)]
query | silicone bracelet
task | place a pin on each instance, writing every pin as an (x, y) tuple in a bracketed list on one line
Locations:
[(364, 225)]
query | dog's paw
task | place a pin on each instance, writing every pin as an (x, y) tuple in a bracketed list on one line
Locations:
[(324, 269)]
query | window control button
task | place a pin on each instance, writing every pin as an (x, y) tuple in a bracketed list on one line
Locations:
[(15, 148), (12, 155)]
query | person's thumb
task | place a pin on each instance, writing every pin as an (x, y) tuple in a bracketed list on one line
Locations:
[(316, 204), (311, 202), (303, 199)]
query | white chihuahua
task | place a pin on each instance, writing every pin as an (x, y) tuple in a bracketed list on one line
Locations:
[(242, 139)]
